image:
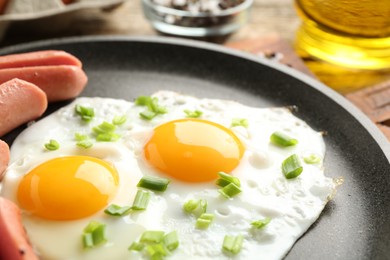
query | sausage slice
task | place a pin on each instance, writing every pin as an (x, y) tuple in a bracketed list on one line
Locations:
[(38, 58), (20, 102), (4, 157), (59, 82), (14, 242)]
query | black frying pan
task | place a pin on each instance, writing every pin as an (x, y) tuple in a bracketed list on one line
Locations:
[(356, 224)]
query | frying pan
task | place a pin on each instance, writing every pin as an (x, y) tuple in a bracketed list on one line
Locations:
[(355, 224)]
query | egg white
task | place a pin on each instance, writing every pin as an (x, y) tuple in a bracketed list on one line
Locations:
[(293, 205)]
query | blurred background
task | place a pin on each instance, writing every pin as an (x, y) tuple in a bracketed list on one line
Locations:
[(128, 18), (269, 29)]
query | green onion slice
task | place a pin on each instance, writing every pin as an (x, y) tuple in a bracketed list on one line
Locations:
[(80, 137), (232, 244), (84, 144), (141, 200), (171, 241), (225, 179), (230, 190), (148, 115), (103, 128), (197, 207), (153, 183), (156, 244), (52, 145), (193, 114), (291, 167), (119, 120), (204, 220), (156, 251), (115, 210), (152, 236), (86, 113), (136, 246), (94, 234), (107, 137), (153, 107), (282, 139), (105, 132), (239, 122), (143, 100), (261, 223), (312, 159)]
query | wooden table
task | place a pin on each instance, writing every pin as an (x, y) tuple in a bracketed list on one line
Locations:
[(267, 18)]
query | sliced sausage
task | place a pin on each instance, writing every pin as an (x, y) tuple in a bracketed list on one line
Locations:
[(4, 157), (59, 82), (20, 102), (38, 58), (14, 242)]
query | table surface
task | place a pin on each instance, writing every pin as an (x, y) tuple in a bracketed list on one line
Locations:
[(267, 18), (128, 19)]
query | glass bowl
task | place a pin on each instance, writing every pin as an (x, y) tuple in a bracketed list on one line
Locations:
[(196, 24)]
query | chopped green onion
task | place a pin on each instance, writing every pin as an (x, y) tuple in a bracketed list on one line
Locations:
[(105, 132), (151, 236), (143, 100), (115, 210), (204, 220), (86, 113), (156, 251), (153, 107), (292, 167), (202, 223), (207, 216), (136, 246), (84, 144), (232, 244), (94, 234), (148, 115), (141, 200), (160, 110), (193, 114), (261, 223), (153, 183), (312, 159), (282, 139), (230, 190), (190, 205), (156, 244), (197, 207), (119, 120), (103, 128), (225, 179), (82, 140), (171, 241), (80, 137), (87, 240), (52, 145), (239, 122), (107, 137)]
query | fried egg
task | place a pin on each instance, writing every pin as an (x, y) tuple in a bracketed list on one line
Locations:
[(61, 191)]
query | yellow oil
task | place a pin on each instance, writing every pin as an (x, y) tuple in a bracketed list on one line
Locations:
[(350, 33), (345, 43)]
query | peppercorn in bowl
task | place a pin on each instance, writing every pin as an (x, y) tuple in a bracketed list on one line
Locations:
[(197, 18)]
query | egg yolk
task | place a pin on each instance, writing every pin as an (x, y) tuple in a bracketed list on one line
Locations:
[(193, 150), (68, 188)]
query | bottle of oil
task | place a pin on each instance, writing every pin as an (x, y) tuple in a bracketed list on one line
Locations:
[(350, 36)]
